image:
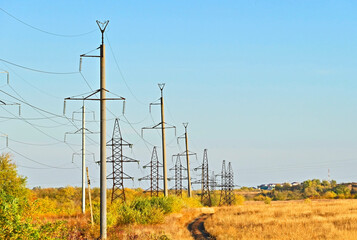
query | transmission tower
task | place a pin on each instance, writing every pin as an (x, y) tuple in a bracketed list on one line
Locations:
[(230, 185), (154, 176), (187, 154), (223, 185), (213, 182), (178, 168), (103, 127), (162, 125), (83, 130), (205, 191), (118, 159)]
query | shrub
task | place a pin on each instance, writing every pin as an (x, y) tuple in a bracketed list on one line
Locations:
[(330, 195), (239, 200), (267, 200), (259, 197)]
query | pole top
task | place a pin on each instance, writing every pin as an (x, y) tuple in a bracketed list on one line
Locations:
[(161, 86), (102, 26), (185, 125)]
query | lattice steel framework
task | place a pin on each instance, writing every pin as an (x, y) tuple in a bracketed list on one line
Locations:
[(223, 185), (205, 191), (230, 185), (118, 159), (178, 168), (212, 182), (154, 175)]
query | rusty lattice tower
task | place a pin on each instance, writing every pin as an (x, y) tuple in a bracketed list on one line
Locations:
[(118, 159), (154, 177)]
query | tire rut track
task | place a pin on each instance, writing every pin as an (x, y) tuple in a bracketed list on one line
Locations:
[(198, 230)]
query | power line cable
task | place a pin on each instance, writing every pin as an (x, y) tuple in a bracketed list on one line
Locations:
[(47, 32), (22, 155), (120, 71), (36, 70)]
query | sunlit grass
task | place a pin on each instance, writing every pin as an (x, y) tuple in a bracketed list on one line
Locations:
[(292, 220)]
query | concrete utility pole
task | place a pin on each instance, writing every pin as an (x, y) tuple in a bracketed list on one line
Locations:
[(166, 193), (103, 158), (83, 159), (189, 190), (83, 150), (90, 199), (103, 132), (162, 127)]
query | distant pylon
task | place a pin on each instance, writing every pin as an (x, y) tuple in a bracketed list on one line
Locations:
[(154, 176), (230, 185), (178, 168), (205, 191), (118, 159), (213, 182), (223, 185)]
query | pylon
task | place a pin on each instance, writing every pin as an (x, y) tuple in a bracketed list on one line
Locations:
[(230, 185), (213, 182), (205, 191), (222, 198), (118, 159), (154, 176), (178, 168)]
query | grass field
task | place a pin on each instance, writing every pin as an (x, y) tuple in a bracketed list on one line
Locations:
[(288, 220)]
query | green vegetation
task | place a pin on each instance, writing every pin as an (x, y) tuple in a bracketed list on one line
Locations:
[(314, 189)]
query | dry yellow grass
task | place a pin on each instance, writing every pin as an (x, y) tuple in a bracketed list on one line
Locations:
[(174, 227), (292, 220)]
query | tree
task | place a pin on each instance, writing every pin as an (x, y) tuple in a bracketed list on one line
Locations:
[(10, 182)]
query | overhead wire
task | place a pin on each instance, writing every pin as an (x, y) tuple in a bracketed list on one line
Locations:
[(36, 70), (40, 163), (44, 31), (30, 84), (120, 71)]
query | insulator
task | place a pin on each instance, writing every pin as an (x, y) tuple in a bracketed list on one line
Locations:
[(80, 64), (64, 107), (124, 107)]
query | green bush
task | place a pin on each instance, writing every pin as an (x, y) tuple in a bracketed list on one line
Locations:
[(259, 197), (330, 195), (148, 210), (267, 200), (239, 200)]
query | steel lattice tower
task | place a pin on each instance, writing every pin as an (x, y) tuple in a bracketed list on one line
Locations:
[(118, 159), (222, 199), (213, 182), (229, 185), (154, 176), (205, 191), (178, 168)]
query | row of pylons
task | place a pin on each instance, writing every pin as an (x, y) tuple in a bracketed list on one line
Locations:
[(208, 182)]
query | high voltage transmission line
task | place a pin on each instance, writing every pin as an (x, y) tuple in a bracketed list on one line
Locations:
[(204, 181), (44, 31), (178, 168), (117, 159), (154, 177)]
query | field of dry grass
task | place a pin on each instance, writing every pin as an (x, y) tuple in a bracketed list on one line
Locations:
[(174, 227), (288, 220)]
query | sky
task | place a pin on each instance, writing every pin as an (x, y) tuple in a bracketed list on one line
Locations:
[(266, 85)]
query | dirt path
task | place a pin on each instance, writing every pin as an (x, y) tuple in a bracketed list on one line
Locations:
[(197, 228)]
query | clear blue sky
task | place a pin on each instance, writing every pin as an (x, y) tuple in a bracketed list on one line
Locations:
[(267, 85)]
